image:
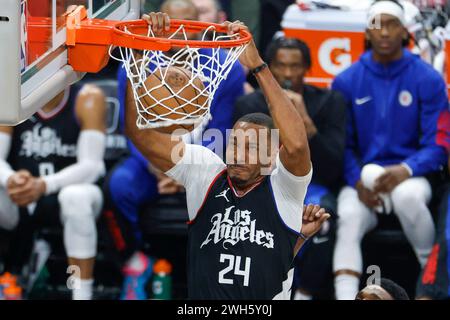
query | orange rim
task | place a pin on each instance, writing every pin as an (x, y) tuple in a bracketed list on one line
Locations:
[(137, 30), (88, 40)]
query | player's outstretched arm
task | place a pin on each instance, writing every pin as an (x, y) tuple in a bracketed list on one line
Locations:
[(162, 150), (294, 153), (157, 147)]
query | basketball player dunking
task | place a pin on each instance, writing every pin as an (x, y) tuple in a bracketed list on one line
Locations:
[(245, 227)]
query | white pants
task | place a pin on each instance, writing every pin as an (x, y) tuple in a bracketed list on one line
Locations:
[(80, 206), (409, 200)]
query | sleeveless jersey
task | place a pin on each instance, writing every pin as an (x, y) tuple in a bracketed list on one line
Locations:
[(45, 146), (239, 247)]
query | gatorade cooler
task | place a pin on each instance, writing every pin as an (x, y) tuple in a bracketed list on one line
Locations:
[(335, 37)]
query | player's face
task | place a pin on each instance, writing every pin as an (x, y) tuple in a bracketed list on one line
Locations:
[(373, 292), (386, 39), (288, 68), (249, 153)]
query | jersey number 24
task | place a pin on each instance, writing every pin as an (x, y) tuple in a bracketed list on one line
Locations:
[(234, 264)]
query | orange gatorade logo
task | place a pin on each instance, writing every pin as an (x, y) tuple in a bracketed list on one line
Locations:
[(332, 52)]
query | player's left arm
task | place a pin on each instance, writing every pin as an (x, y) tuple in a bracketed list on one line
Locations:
[(294, 153), (90, 110), (222, 107)]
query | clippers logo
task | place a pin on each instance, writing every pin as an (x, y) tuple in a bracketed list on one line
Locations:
[(334, 55), (405, 98)]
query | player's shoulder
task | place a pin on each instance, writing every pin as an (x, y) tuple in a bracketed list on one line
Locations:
[(426, 72), (428, 81)]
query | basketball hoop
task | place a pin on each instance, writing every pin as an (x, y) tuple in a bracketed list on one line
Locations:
[(90, 43)]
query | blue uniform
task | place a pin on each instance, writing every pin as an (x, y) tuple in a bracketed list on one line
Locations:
[(392, 114)]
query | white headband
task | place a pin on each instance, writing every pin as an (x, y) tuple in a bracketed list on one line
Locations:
[(386, 7)]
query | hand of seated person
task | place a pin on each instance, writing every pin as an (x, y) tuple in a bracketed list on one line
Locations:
[(393, 176), (24, 189), (368, 197)]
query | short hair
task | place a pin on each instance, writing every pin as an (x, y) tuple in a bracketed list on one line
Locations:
[(288, 43), (397, 292), (258, 118)]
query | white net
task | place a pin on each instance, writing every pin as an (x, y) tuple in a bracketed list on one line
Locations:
[(161, 104)]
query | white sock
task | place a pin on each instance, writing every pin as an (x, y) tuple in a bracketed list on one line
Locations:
[(84, 292), (301, 296), (346, 287)]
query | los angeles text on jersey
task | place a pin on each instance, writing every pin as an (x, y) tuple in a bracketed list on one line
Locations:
[(241, 227), (226, 310)]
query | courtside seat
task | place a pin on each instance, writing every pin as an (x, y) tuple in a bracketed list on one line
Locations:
[(164, 227), (387, 249)]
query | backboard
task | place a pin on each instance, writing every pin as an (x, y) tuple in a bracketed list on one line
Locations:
[(33, 58)]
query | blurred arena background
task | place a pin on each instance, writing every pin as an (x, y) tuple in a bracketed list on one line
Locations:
[(334, 32)]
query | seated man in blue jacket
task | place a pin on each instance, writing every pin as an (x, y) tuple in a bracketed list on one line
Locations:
[(133, 183), (394, 100)]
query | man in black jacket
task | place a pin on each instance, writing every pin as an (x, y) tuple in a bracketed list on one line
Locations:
[(323, 113)]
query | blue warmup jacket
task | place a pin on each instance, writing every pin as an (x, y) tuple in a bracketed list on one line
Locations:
[(392, 114), (221, 109)]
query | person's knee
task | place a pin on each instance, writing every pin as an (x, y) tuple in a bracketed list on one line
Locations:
[(80, 205), (351, 222), (348, 228), (349, 212), (407, 197)]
